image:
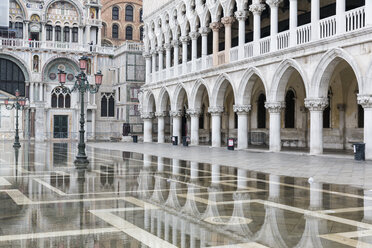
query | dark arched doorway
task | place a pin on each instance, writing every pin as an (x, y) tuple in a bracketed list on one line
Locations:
[(11, 77)]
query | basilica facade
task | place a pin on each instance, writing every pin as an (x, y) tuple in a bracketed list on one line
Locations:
[(46, 36), (273, 73)]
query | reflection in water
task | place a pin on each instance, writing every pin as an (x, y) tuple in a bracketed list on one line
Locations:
[(139, 200)]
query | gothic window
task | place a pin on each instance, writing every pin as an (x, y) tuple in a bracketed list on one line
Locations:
[(108, 105), (129, 13), (11, 77), (49, 32), (261, 111), (66, 34), (141, 13), (115, 31), (129, 33), (327, 112), (115, 13), (60, 98), (360, 116), (290, 107), (58, 33), (75, 34), (141, 33)]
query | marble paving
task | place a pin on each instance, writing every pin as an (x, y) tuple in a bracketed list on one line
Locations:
[(137, 199)]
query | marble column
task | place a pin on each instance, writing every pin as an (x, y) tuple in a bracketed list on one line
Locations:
[(215, 26), (204, 34), (275, 109), (25, 33), (148, 66), (194, 114), (341, 123), (176, 47), (161, 57), (216, 113), (43, 32), (316, 107), (227, 21), (167, 47), (53, 33), (147, 127), (366, 102), (177, 125), (161, 126), (241, 16), (274, 4), (243, 120), (87, 34), (99, 38), (41, 87), (293, 8), (315, 17), (340, 16), (184, 40), (194, 48), (256, 8), (153, 70)]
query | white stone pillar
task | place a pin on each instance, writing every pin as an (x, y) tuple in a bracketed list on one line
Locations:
[(41, 86), (70, 35), (215, 173), (340, 16), (241, 179), (316, 107), (99, 36), (43, 32), (80, 35), (243, 120), (241, 16), (316, 196), (194, 170), (54, 33), (184, 41), (204, 34), (153, 70), (161, 125), (275, 109), (194, 49), (366, 102), (215, 26), (176, 47), (227, 21), (256, 8), (315, 16), (25, 33), (194, 114), (161, 57), (147, 127), (368, 9), (274, 4), (148, 66), (216, 113), (87, 34), (167, 47), (293, 8), (177, 125)]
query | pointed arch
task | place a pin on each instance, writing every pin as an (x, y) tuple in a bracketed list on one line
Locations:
[(250, 76), (149, 104), (281, 77), (163, 98), (196, 96), (178, 97), (219, 90), (325, 69)]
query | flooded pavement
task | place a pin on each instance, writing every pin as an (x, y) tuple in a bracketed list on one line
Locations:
[(127, 199)]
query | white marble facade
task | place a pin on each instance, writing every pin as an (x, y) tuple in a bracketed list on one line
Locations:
[(284, 77)]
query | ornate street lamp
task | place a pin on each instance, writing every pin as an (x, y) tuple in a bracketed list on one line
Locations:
[(81, 85), (18, 103)]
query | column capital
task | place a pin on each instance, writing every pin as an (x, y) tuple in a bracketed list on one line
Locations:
[(365, 101), (184, 39), (194, 35), (160, 49), (194, 112), (176, 43), (242, 109), (241, 15), (215, 26), (147, 115), (257, 8), (177, 113), (316, 104), (167, 46), (274, 107), (160, 114), (204, 31), (274, 3), (147, 55), (215, 110), (153, 52), (228, 20)]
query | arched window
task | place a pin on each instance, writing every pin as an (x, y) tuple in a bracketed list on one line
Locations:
[(67, 101), (75, 34), (61, 101), (129, 13), (290, 107), (129, 33), (327, 112), (66, 34), (60, 98), (11, 77), (141, 13), (360, 116), (49, 32), (111, 106), (115, 13), (107, 105), (261, 111), (115, 31), (104, 106), (141, 33), (54, 100), (58, 33)]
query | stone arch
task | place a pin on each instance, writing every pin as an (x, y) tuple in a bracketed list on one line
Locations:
[(223, 81), (368, 78), (196, 97), (163, 98), (23, 9), (178, 97), (76, 4), (69, 60), (18, 61), (281, 77), (149, 104), (325, 69), (250, 76)]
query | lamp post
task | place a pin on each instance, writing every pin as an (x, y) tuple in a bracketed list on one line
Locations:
[(18, 104), (81, 85)]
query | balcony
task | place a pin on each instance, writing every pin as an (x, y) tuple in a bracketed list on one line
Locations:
[(325, 29)]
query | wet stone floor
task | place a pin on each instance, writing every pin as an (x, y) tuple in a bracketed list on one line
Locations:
[(133, 200)]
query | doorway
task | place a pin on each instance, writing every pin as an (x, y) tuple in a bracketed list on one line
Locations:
[(60, 130)]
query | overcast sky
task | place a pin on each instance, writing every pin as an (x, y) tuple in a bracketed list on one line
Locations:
[(4, 13)]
